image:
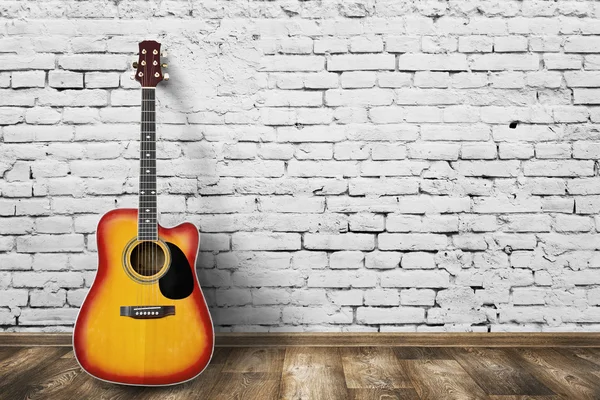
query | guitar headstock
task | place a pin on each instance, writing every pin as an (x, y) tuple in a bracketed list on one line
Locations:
[(148, 67)]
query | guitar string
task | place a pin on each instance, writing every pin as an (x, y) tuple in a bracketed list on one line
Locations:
[(153, 221)]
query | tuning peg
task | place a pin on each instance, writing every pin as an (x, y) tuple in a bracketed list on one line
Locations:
[(164, 53), (166, 77), (164, 65), (135, 64), (132, 76)]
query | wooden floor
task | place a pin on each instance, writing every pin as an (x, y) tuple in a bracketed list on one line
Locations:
[(327, 373)]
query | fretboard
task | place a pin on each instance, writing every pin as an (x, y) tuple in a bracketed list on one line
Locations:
[(147, 213)]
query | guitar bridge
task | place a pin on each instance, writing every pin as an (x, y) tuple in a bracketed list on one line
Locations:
[(147, 312)]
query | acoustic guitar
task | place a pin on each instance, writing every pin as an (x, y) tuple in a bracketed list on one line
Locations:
[(145, 319)]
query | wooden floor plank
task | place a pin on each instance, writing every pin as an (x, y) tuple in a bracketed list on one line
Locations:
[(198, 387), (49, 382), (383, 394), (423, 353), (498, 373), (554, 397), (313, 373), (246, 373), (442, 380), (246, 386), (302, 373), (6, 352), (568, 376), (589, 354), (22, 366), (253, 359), (372, 368)]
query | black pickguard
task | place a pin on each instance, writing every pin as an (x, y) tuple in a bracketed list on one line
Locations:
[(178, 282)]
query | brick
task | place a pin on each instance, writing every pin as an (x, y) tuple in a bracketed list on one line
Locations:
[(562, 61), (347, 241), (373, 315), (499, 62), (403, 44), (288, 204), (292, 63), (390, 186), (432, 62), (93, 62), (65, 80), (43, 317), (366, 44), (15, 262), (11, 115), (361, 62), (415, 279), (303, 315), (417, 297), (358, 79), (510, 44), (346, 260), (455, 132), (427, 79), (363, 222), (265, 241), (10, 62), (28, 79), (559, 168), (582, 44), (475, 44), (73, 98), (382, 260), (50, 243), (418, 260), (100, 80), (349, 279), (28, 133), (330, 45), (416, 241), (359, 97)]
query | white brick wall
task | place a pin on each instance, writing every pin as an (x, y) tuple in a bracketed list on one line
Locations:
[(364, 165)]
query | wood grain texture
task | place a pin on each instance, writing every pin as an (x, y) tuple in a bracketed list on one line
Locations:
[(372, 368), (243, 386), (302, 373), (252, 359), (592, 355), (566, 375), (23, 365), (497, 372), (555, 397), (335, 339), (423, 353), (442, 380), (383, 394), (51, 381), (313, 373)]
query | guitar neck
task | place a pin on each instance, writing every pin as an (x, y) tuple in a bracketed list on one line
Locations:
[(147, 213)]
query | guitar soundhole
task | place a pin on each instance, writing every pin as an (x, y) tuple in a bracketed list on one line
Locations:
[(147, 258)]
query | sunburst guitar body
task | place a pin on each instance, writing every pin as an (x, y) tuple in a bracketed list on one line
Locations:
[(145, 320)]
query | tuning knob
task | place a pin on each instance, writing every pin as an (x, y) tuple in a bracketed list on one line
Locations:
[(135, 64), (166, 77), (164, 65), (132, 76), (164, 53)]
